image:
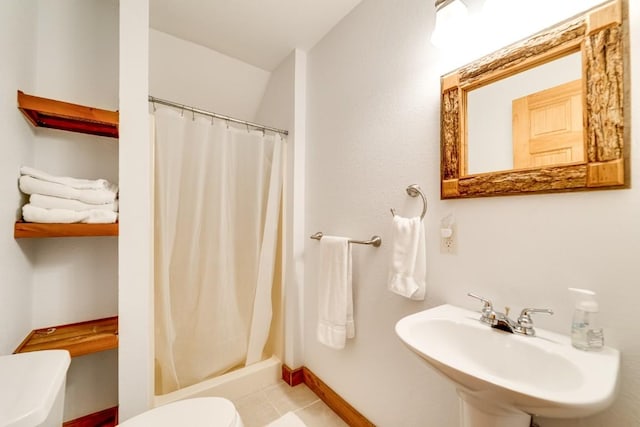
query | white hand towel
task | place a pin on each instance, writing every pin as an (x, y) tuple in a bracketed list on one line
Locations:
[(79, 183), (62, 216), (31, 185), (50, 202), (407, 275), (335, 293)]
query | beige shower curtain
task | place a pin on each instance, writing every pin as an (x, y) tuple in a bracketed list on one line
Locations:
[(217, 201)]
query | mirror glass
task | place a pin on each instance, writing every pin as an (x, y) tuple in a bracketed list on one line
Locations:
[(545, 114), (550, 95)]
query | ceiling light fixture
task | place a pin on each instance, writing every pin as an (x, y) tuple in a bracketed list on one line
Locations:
[(451, 18)]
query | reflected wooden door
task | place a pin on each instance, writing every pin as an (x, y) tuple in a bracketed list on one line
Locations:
[(548, 128)]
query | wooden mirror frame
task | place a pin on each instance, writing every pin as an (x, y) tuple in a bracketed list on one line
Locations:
[(601, 35)]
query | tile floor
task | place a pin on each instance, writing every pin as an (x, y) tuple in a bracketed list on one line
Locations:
[(260, 408)]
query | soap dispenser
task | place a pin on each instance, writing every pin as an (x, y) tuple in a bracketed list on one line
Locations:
[(586, 333)]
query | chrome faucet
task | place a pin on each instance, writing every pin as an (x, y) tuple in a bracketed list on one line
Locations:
[(497, 320)]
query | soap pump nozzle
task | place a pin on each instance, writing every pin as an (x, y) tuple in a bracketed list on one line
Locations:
[(586, 300)]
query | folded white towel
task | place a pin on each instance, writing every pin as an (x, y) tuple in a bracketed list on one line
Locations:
[(62, 216), (407, 275), (79, 183), (50, 202), (335, 294), (31, 185)]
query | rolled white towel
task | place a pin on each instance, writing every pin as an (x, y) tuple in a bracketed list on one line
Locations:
[(79, 183), (31, 185), (63, 216), (51, 202)]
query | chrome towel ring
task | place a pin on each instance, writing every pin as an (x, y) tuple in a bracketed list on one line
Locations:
[(414, 191)]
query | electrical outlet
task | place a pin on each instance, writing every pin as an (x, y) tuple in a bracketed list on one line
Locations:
[(448, 240)]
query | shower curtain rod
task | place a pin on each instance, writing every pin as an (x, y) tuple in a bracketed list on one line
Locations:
[(155, 100)]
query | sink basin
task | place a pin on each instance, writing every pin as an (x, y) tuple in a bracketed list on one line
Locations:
[(542, 375)]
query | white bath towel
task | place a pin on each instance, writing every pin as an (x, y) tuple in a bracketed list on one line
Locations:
[(50, 202), (335, 294), (79, 183), (31, 185), (62, 216), (407, 275)]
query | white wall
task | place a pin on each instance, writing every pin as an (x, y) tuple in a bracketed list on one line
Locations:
[(135, 244), (284, 106), (76, 279), (276, 107), (185, 72), (373, 129), (17, 47)]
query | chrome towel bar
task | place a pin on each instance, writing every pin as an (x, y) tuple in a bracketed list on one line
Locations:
[(375, 241), (414, 191)]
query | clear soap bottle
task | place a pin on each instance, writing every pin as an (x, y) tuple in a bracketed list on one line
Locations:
[(586, 333)]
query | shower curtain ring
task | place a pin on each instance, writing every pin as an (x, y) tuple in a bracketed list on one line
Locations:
[(153, 102), (247, 127), (182, 111), (193, 117)]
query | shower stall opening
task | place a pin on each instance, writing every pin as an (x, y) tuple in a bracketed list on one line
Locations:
[(218, 281)]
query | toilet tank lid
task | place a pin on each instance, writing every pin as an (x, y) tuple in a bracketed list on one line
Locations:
[(29, 385), (194, 412)]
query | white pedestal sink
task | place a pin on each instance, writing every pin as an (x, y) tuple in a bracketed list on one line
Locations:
[(502, 378)]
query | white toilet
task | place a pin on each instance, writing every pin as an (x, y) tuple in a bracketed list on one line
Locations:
[(195, 412), (32, 388)]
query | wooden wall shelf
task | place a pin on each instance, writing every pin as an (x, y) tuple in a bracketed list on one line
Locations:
[(50, 113), (78, 338), (39, 230)]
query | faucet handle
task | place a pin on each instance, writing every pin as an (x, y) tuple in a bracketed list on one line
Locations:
[(487, 303), (525, 323), (488, 315), (527, 311)]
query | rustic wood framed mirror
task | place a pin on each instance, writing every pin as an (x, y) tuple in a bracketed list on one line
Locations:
[(566, 136)]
